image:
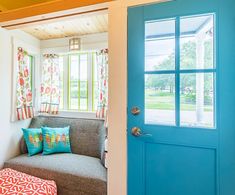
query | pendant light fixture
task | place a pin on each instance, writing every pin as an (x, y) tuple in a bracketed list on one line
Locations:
[(74, 44)]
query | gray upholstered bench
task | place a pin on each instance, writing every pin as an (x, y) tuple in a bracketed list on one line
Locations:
[(79, 173)]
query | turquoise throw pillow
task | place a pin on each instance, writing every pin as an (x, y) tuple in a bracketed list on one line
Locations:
[(33, 139), (56, 140)]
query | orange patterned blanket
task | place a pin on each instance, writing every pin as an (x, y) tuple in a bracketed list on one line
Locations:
[(16, 183)]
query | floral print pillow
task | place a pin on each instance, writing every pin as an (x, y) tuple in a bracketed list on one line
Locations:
[(33, 139), (56, 140)]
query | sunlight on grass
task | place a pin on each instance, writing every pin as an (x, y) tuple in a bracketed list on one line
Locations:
[(165, 101)]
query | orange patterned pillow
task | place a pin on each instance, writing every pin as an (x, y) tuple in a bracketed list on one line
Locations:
[(14, 182)]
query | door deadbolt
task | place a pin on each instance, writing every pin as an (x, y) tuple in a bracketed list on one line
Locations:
[(135, 110)]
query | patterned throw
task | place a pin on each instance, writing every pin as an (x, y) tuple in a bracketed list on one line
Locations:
[(13, 182), (24, 100)]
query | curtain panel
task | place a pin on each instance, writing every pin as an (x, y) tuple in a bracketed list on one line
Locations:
[(24, 97), (50, 84), (102, 64)]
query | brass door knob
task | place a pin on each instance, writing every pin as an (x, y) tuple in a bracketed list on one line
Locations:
[(136, 131)]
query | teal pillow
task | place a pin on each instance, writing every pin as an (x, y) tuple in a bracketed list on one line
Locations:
[(56, 140), (33, 139)]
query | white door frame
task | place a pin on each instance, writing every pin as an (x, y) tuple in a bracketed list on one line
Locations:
[(117, 114)]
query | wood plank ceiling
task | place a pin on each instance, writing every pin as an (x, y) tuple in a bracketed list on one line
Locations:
[(84, 25)]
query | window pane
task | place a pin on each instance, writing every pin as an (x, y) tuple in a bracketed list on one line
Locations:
[(160, 45), (160, 99), (74, 72), (83, 82), (83, 95), (196, 42), (61, 66), (196, 98)]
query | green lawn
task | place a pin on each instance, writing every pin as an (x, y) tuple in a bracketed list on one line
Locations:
[(166, 101)]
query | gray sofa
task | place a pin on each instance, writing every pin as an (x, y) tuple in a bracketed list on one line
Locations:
[(79, 173)]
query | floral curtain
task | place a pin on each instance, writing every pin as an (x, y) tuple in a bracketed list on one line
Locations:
[(24, 100), (102, 64), (50, 84)]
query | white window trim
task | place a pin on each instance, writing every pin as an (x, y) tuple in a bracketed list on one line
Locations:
[(74, 114)]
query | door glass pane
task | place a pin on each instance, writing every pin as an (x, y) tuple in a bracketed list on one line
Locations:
[(196, 98), (83, 82), (160, 45), (74, 78), (160, 99), (196, 42)]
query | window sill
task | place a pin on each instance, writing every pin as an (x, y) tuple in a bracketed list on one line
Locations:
[(75, 114)]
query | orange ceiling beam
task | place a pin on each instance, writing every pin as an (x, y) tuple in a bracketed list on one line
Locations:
[(46, 8)]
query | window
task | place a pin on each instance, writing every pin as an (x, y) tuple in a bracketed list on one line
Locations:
[(180, 71), (79, 83)]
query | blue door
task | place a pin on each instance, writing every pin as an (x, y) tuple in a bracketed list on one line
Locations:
[(181, 111)]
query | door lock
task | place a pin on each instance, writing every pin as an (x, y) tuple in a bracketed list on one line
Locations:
[(135, 110)]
